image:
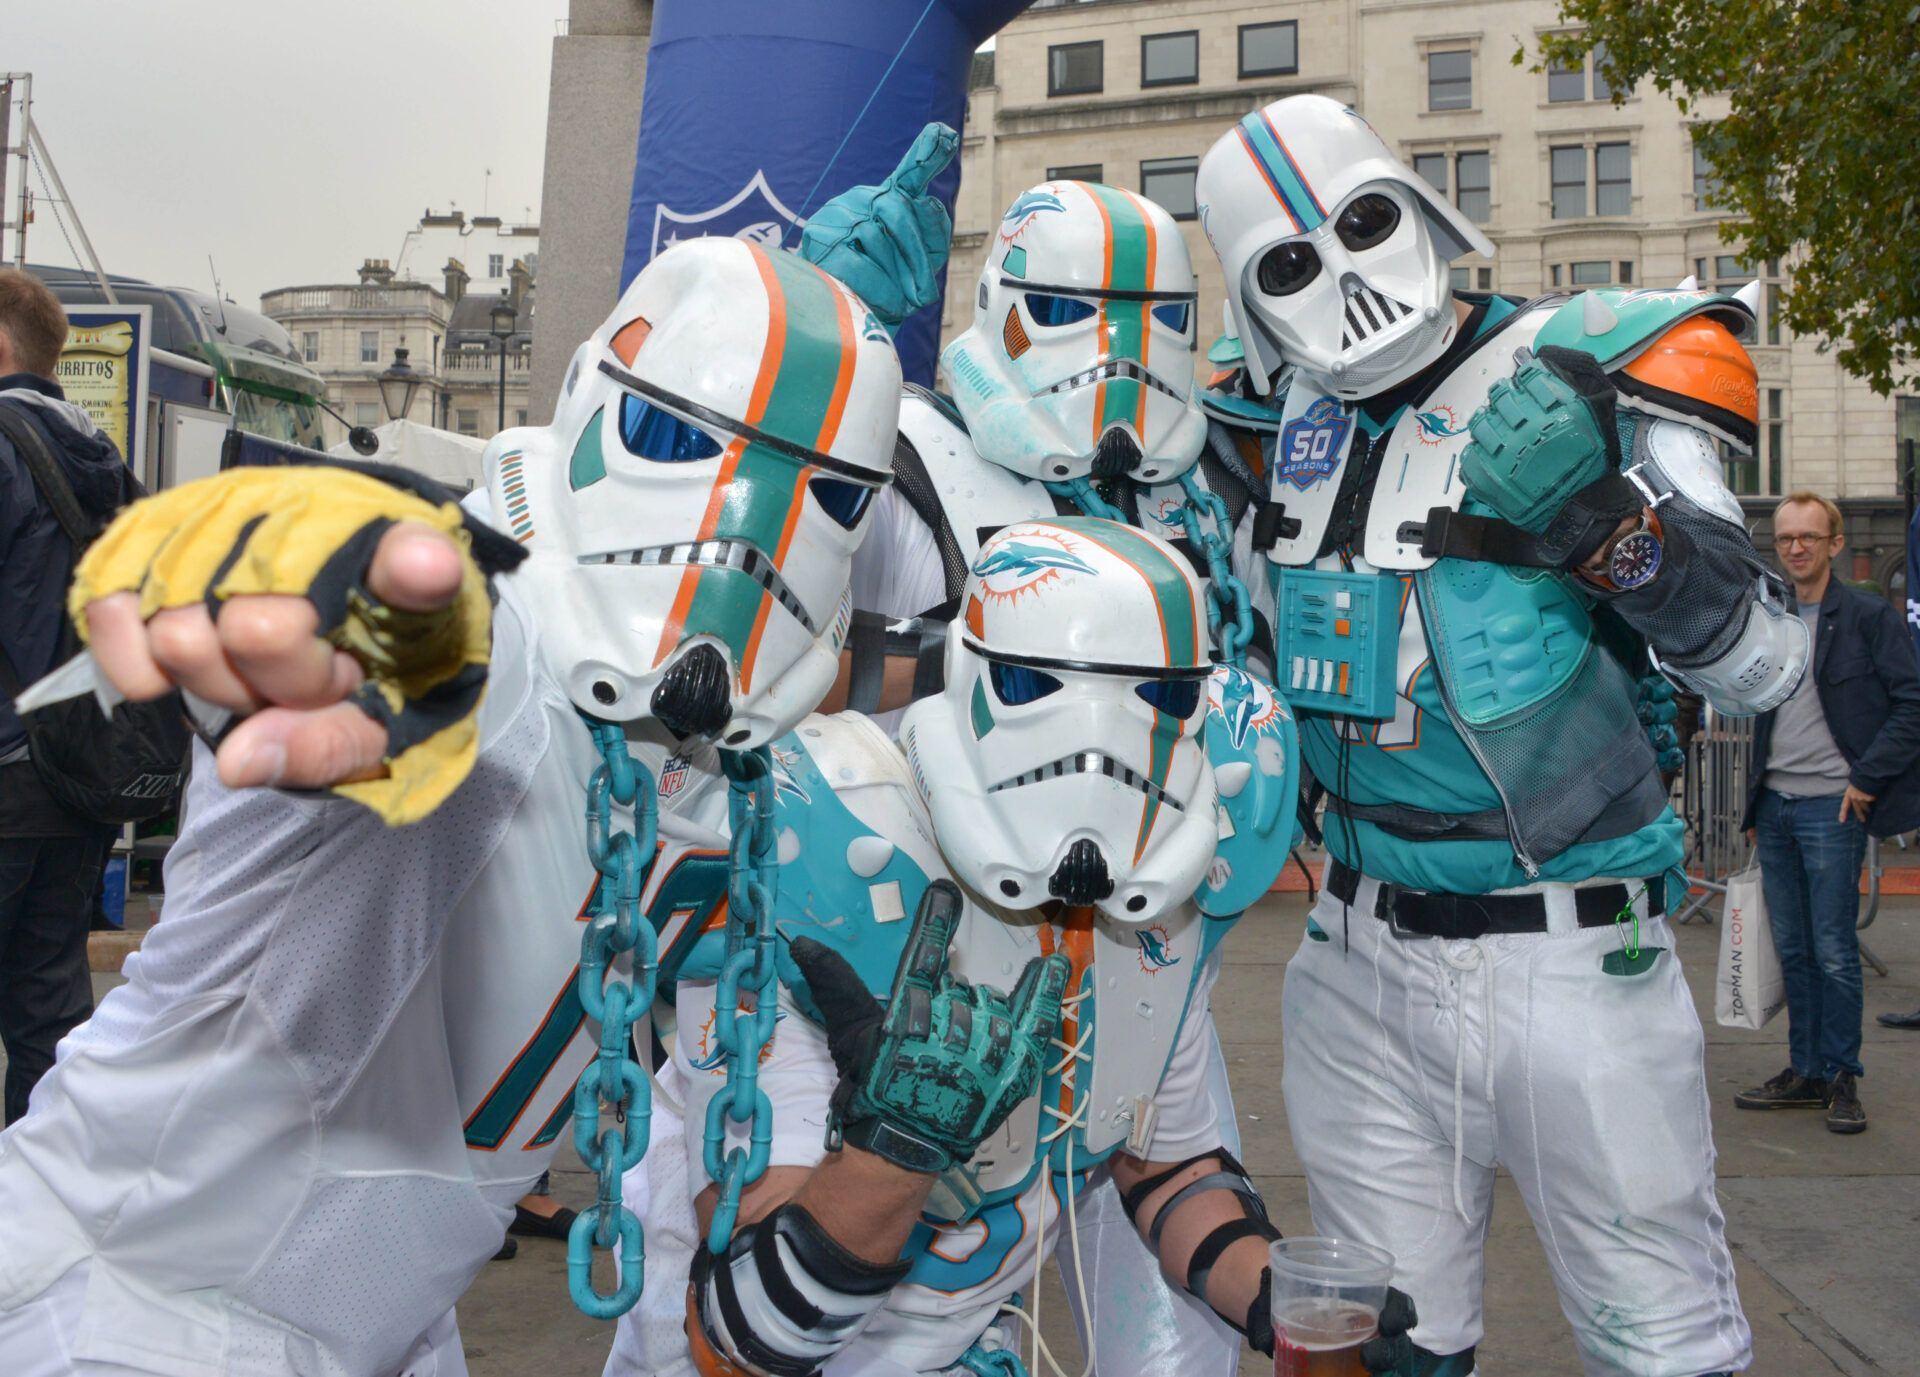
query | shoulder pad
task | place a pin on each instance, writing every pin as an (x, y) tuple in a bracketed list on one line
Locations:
[(1225, 351), (855, 850), (934, 427), (1616, 324)]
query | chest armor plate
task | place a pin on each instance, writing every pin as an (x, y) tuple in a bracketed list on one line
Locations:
[(1420, 465)]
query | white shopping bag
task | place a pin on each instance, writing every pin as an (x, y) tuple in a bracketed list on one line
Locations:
[(1748, 990)]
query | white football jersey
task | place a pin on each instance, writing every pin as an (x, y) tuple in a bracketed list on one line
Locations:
[(295, 1135)]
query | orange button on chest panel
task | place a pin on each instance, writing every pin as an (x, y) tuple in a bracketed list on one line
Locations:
[(1342, 627)]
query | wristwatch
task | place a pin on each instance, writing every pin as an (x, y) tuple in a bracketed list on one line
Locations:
[(1635, 557)]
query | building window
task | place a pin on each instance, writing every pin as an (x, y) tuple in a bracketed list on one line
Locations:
[(1170, 59), (1554, 272), (1269, 49), (1566, 83), (369, 346), (1450, 80), (1776, 438), (469, 421), (1079, 172), (1073, 69), (1432, 166), (1170, 182), (520, 417), (1602, 89), (1460, 279), (1486, 279), (1612, 179), (366, 413), (310, 345), (1706, 186), (1626, 272), (1591, 274), (496, 264), (1569, 168), (1473, 186), (1730, 274)]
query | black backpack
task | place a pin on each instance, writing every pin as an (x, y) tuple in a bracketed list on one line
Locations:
[(113, 770)]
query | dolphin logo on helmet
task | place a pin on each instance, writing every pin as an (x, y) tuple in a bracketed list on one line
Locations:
[(692, 512), (1080, 358), (1335, 252), (1063, 759)]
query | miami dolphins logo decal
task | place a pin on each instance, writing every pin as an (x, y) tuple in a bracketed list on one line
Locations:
[(1020, 214), (713, 1058), (1154, 956), (1257, 710), (1032, 559), (1438, 425)]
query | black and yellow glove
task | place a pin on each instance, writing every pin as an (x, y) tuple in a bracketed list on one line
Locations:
[(311, 532)]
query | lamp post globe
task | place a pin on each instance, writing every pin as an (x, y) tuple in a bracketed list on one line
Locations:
[(398, 384)]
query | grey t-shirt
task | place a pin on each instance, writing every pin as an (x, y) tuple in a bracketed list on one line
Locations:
[(1803, 758)]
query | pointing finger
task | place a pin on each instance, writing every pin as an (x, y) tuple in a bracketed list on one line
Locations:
[(925, 962), (932, 150), (415, 568)]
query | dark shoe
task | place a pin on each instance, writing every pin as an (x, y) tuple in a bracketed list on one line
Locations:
[(1911, 1020), (530, 1225), (508, 1248), (1788, 1090), (1844, 1114)]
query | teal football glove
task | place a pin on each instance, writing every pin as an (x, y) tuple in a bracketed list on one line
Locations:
[(1657, 711), (923, 1081), (889, 242), (1545, 454)]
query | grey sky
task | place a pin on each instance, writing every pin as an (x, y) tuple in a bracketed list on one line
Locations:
[(289, 140)]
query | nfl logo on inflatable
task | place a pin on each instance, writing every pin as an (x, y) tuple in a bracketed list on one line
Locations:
[(673, 776)]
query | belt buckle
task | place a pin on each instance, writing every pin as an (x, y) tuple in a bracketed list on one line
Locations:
[(1388, 910)]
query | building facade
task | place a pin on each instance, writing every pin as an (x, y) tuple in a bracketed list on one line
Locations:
[(1572, 189), (349, 332)]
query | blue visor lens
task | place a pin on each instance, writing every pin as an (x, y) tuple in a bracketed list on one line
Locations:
[(1016, 684), (844, 502), (1175, 697), (659, 435), (1057, 310), (1174, 317)]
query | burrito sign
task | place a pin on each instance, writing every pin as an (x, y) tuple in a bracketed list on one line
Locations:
[(103, 370)]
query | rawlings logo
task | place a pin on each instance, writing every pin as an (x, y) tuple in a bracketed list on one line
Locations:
[(1311, 447), (1438, 425), (1154, 956)]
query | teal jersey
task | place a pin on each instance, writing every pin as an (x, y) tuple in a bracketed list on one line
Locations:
[(1419, 759)]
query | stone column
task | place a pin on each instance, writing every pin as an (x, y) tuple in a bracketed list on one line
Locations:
[(593, 123)]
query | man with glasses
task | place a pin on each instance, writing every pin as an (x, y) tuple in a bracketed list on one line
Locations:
[(1832, 763)]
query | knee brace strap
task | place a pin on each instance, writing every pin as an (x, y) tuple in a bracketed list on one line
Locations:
[(787, 1297)]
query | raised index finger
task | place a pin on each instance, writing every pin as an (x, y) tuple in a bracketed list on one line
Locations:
[(932, 150), (924, 964)]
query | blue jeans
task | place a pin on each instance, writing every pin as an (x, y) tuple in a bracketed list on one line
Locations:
[(1810, 871)]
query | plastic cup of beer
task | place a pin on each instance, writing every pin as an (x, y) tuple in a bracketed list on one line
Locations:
[(1327, 1297)]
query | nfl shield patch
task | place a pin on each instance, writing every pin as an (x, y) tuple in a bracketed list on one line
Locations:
[(1311, 447), (673, 776), (753, 213)]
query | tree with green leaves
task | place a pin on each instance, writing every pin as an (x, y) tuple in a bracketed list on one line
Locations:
[(1818, 158)]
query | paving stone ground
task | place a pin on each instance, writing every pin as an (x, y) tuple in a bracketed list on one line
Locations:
[(1825, 1229)]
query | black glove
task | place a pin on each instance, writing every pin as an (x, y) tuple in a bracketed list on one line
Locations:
[(1391, 1352)]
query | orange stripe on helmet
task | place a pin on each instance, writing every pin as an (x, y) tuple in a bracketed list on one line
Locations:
[(1106, 280), (843, 383)]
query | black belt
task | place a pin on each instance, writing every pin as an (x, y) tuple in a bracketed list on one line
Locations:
[(1426, 913)]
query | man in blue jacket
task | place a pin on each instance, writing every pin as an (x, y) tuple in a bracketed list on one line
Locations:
[(1831, 764), (50, 858)]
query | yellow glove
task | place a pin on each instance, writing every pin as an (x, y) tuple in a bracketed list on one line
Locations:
[(311, 532)]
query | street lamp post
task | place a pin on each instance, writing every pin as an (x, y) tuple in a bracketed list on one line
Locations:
[(502, 317), (398, 383)]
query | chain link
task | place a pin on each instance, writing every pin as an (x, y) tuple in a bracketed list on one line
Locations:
[(742, 1031), (614, 1078)]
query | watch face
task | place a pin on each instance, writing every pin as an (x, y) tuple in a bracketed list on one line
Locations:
[(1635, 560)]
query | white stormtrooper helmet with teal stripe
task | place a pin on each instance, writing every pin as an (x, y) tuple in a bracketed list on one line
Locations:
[(1064, 758), (1335, 252), (1080, 359), (692, 512)]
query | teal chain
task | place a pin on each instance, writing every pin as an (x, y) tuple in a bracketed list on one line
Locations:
[(742, 1034), (615, 925), (1229, 608)]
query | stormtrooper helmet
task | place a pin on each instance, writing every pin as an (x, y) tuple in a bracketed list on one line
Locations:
[(1335, 252), (692, 512), (1080, 359), (1063, 759)]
